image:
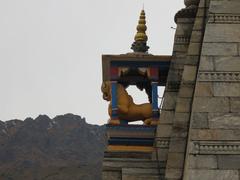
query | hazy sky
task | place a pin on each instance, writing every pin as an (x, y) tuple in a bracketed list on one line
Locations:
[(50, 51)]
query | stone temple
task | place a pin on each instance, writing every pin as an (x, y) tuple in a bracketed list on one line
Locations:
[(195, 133)]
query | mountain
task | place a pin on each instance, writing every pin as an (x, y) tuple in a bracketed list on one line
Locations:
[(62, 148)]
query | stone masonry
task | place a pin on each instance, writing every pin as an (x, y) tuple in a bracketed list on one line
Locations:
[(213, 146), (200, 119)]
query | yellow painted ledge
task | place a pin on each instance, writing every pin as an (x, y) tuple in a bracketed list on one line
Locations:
[(129, 148)]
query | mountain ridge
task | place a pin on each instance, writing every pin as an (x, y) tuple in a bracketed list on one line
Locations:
[(65, 147)]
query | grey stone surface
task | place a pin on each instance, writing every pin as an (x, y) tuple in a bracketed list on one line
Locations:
[(211, 104), (225, 6), (164, 130), (228, 161), (138, 177), (207, 63), (214, 134), (226, 89), (198, 24), (192, 60), (111, 175), (220, 49), (169, 100), (224, 121), (166, 117), (177, 145), (186, 91), (184, 29), (173, 174), (199, 121), (128, 163), (196, 36), (181, 120), (222, 33), (228, 63), (235, 104), (189, 73), (203, 162), (180, 48), (194, 48), (204, 89), (161, 154), (183, 105), (175, 160), (213, 175), (141, 171)]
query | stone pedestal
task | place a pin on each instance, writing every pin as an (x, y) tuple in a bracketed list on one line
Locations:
[(129, 153)]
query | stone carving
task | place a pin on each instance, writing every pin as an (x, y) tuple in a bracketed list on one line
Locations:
[(219, 76), (162, 143), (188, 12), (216, 147), (224, 18), (127, 109), (182, 40)]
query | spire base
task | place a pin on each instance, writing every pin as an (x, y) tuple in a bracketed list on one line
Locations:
[(140, 46)]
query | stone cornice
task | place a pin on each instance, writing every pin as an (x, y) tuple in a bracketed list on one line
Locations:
[(224, 18), (219, 76), (182, 40), (162, 143), (215, 147)]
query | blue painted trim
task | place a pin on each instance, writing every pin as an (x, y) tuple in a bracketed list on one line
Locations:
[(114, 99), (155, 96), (133, 142)]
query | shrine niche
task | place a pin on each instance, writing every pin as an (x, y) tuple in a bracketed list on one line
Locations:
[(139, 68), (146, 72)]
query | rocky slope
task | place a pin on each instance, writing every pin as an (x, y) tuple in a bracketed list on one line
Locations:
[(62, 148)]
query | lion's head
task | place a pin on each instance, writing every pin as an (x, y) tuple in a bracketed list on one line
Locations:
[(106, 90)]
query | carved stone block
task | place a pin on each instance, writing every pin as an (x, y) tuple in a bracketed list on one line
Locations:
[(213, 174), (202, 162), (211, 104), (226, 89), (218, 49)]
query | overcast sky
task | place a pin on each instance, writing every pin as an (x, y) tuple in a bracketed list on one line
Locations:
[(50, 51)]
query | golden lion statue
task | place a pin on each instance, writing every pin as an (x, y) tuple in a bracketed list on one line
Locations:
[(127, 109)]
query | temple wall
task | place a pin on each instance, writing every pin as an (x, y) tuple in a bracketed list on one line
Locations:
[(167, 114), (178, 141), (172, 128), (213, 147)]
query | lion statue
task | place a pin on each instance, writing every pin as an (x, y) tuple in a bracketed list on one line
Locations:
[(127, 109)]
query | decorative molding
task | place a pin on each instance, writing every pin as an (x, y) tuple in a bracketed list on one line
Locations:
[(219, 76), (224, 18), (228, 147), (162, 143), (182, 40), (188, 12)]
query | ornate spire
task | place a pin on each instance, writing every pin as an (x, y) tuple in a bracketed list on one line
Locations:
[(140, 43)]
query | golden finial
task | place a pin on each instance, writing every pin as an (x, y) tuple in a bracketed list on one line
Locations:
[(141, 28), (140, 44)]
